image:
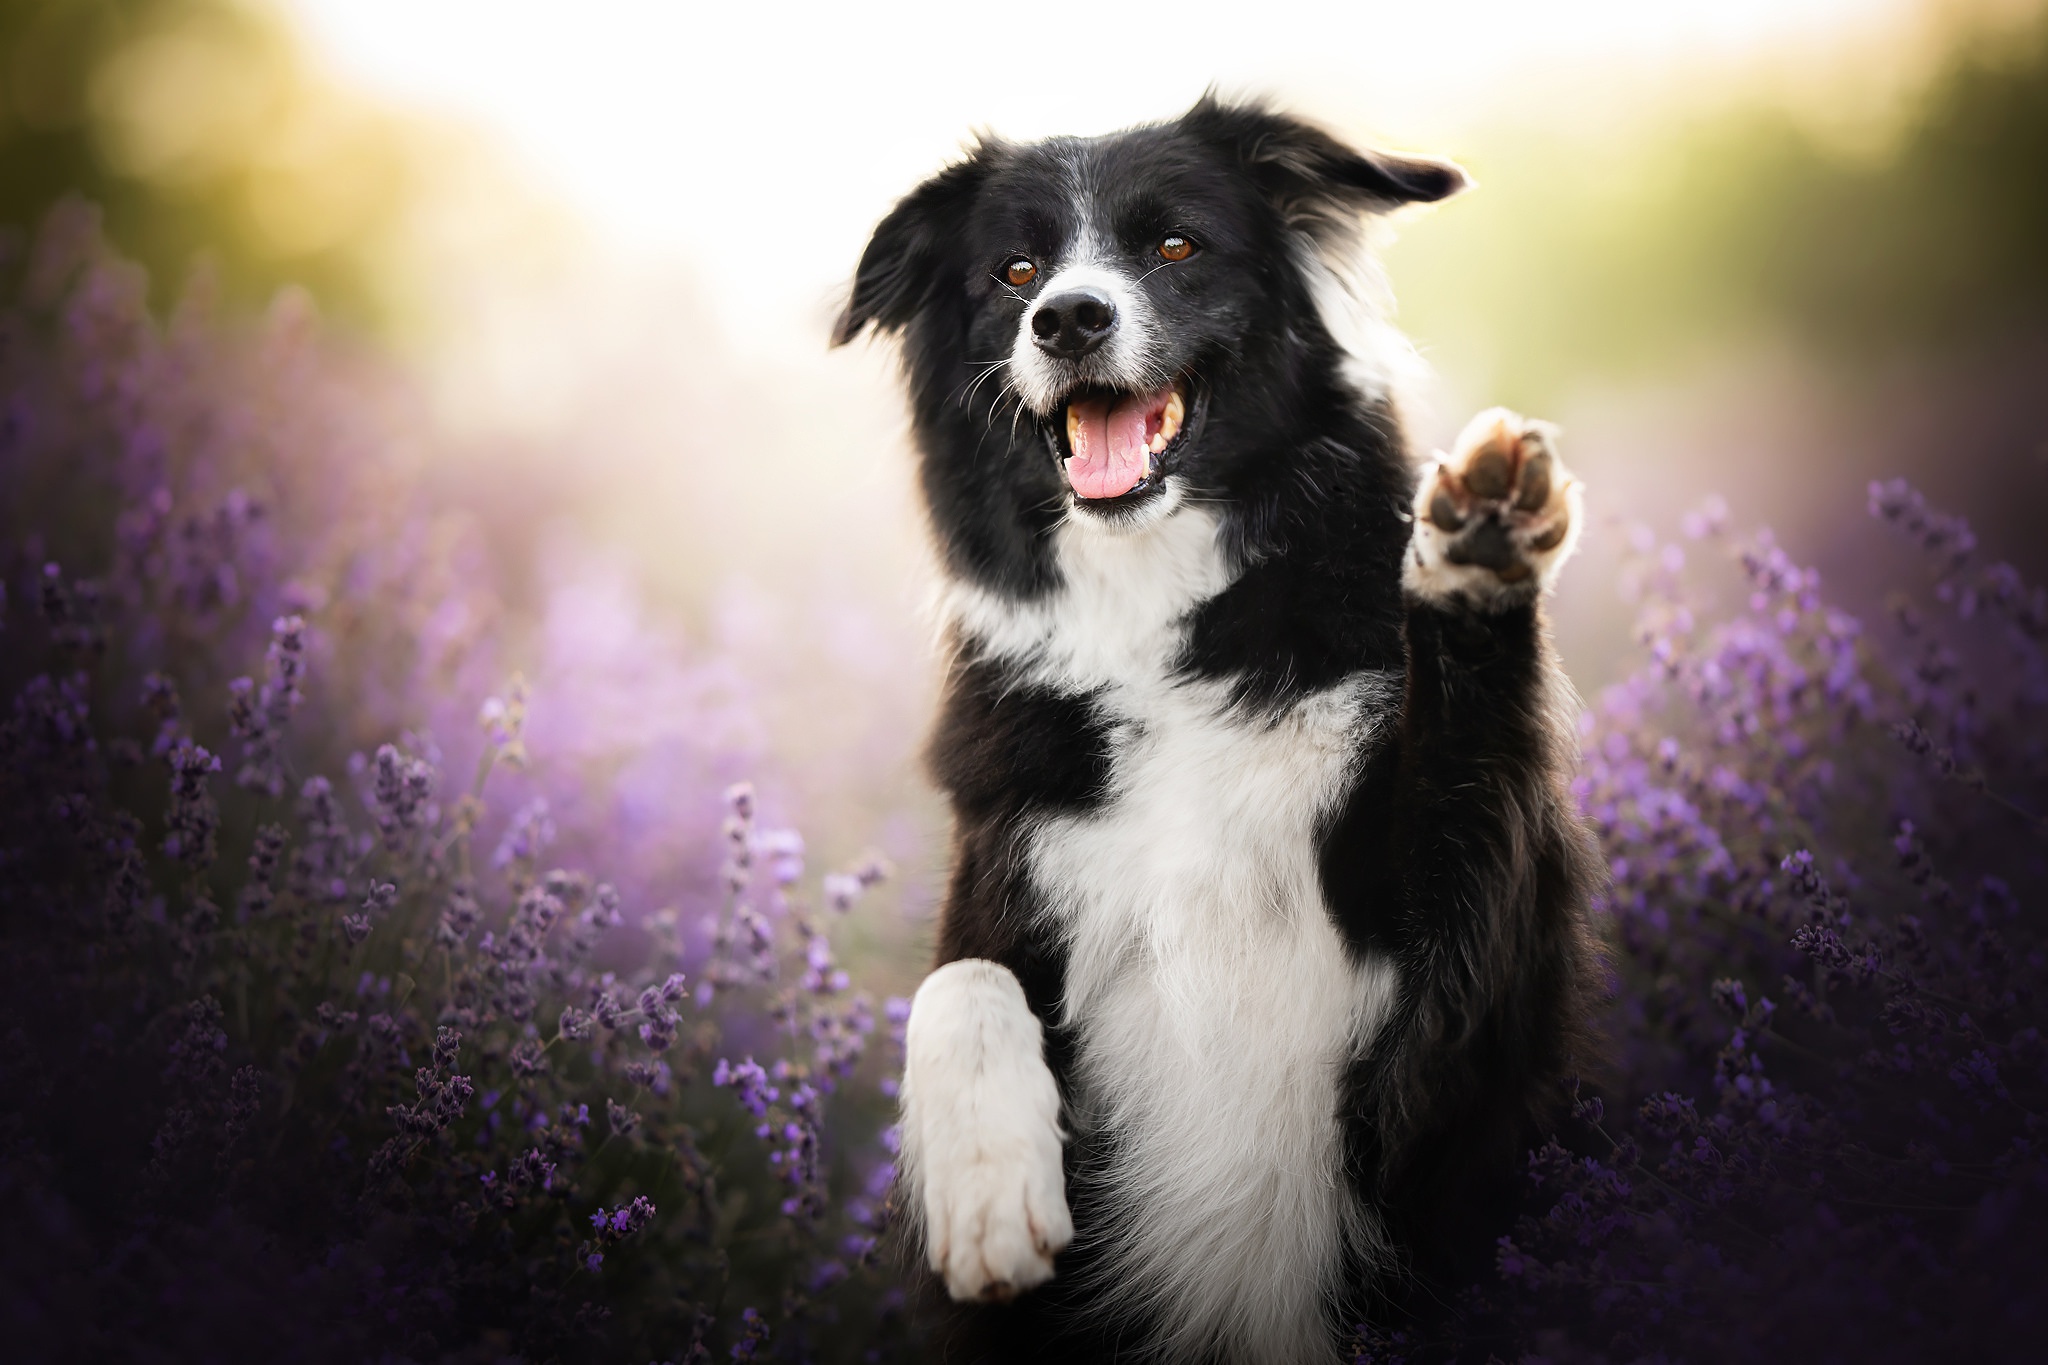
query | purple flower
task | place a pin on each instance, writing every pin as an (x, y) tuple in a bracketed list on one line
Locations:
[(527, 836), (750, 1081), (193, 818), (402, 797), (197, 1053), (624, 1221), (623, 1121), (739, 799), (258, 716), (653, 1075), (754, 1335), (659, 1032), (532, 1170), (504, 721), (783, 850)]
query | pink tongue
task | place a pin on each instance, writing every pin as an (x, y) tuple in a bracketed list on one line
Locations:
[(1109, 444)]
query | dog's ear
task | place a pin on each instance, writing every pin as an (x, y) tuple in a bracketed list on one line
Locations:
[(907, 258), (1306, 172)]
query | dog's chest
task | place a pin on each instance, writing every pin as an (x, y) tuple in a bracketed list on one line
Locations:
[(1213, 1004), (1215, 1007)]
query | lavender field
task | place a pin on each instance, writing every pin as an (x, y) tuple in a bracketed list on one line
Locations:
[(365, 999), (368, 1000)]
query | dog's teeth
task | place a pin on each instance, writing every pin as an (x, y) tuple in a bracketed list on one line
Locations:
[(1169, 422), (1073, 430)]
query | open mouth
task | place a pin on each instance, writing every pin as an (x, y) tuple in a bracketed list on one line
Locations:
[(1118, 444)]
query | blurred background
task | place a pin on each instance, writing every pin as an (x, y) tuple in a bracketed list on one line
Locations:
[(1765, 249)]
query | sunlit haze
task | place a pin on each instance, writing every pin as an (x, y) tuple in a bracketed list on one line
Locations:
[(759, 143)]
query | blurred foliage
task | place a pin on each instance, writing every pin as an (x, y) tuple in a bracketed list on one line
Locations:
[(202, 130), (1574, 259), (198, 128)]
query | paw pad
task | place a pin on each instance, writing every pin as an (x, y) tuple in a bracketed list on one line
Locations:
[(1494, 514)]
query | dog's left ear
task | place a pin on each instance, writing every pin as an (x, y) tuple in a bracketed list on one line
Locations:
[(908, 257), (1307, 172)]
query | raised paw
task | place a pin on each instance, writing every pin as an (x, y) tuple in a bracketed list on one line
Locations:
[(1496, 518)]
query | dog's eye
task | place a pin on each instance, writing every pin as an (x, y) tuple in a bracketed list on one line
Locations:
[(1020, 272), (1176, 248)]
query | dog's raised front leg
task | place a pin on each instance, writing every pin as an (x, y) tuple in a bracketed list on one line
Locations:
[(981, 1133), (1464, 854)]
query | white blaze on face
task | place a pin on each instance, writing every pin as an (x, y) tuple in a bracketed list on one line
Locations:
[(1126, 359)]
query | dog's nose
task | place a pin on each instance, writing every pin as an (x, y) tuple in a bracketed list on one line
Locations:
[(1072, 324)]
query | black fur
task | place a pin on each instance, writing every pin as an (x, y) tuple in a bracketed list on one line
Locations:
[(1458, 854)]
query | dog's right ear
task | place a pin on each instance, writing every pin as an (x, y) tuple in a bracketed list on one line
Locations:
[(907, 258)]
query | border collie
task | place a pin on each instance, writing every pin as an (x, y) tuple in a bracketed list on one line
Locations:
[(1266, 942)]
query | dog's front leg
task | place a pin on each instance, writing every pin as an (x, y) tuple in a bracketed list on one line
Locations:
[(981, 1133)]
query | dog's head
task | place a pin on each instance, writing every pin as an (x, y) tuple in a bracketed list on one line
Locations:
[(1124, 312)]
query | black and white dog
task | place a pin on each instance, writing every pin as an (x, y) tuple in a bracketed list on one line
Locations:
[(1266, 944)]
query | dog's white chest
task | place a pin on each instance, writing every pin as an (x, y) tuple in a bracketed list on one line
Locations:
[(1215, 1006), (1213, 1003)]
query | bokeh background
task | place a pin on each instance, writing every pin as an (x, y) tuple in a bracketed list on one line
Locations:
[(1765, 249)]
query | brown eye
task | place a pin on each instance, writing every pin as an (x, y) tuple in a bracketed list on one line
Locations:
[(1176, 248), (1020, 272)]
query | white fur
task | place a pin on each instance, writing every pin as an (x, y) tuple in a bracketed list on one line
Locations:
[(1214, 1004), (1128, 359), (1117, 618), (1215, 1009), (1353, 301), (981, 1133)]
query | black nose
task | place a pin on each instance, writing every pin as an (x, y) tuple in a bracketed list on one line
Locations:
[(1072, 324)]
